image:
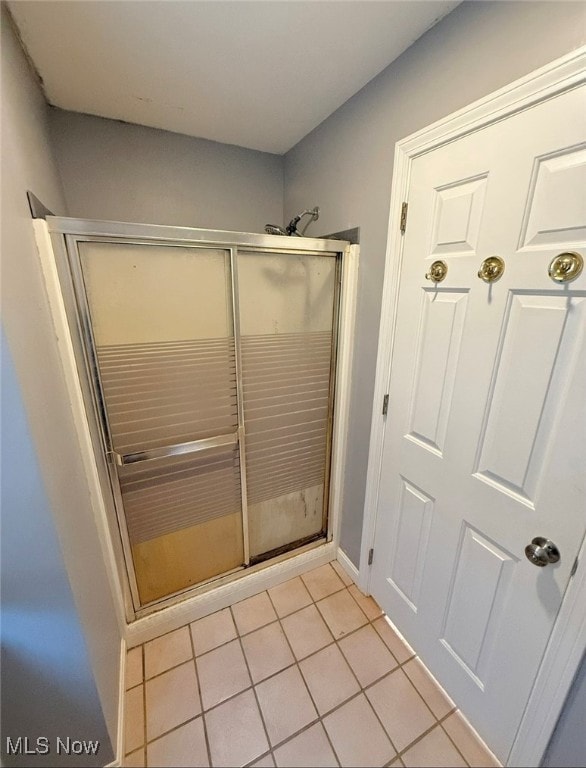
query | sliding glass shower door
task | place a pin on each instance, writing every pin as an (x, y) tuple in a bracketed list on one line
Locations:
[(212, 369), (286, 322), (163, 336)]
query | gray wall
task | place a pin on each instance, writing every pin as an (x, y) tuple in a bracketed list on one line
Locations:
[(568, 743), (122, 172), (46, 496), (345, 165), (48, 688)]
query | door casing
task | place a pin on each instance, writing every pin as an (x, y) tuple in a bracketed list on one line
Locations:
[(568, 639)]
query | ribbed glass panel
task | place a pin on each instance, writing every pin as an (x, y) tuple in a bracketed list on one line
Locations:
[(169, 392), (167, 495), (286, 394), (286, 317), (184, 518), (162, 324)]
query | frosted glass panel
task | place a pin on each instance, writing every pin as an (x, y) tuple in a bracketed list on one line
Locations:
[(162, 324), (184, 519), (286, 316)]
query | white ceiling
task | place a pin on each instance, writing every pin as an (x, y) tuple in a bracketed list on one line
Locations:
[(257, 74)]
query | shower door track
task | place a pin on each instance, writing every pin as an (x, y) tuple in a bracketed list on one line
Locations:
[(66, 234)]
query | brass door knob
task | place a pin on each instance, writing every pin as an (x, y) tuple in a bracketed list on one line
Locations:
[(566, 267), (542, 552), (437, 271), (491, 269)]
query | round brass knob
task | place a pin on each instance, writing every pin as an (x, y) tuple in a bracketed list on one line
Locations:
[(542, 552), (437, 271), (491, 269), (566, 267)]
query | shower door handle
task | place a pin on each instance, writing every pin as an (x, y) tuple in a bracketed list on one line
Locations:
[(177, 449)]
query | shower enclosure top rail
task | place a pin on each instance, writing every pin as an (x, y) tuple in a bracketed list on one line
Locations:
[(173, 235)]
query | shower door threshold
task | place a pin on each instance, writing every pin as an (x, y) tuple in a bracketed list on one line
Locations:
[(231, 577), (294, 545)]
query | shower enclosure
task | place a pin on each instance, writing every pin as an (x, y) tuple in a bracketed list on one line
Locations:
[(207, 362)]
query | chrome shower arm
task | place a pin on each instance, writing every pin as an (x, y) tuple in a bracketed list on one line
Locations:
[(292, 228)]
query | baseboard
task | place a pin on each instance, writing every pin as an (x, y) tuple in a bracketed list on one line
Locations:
[(119, 752), (347, 565), (175, 616)]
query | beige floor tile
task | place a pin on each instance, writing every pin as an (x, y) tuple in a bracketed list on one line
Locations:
[(285, 704), (235, 731), (267, 651), (368, 656), (469, 744), (289, 597), (341, 613), (329, 678), (370, 607), (253, 613), (398, 763), (222, 673), (306, 631), (134, 719), (435, 697), (171, 699), (400, 650), (400, 708), (135, 759), (265, 762), (433, 750), (322, 581), (357, 736), (341, 571), (311, 749), (211, 631), (133, 671), (167, 651), (183, 747)]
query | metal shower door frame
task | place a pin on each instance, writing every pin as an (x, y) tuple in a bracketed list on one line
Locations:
[(67, 234)]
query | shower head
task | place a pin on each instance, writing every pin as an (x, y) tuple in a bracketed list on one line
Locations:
[(291, 229), (272, 229)]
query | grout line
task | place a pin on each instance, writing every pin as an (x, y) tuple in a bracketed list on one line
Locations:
[(205, 728), (438, 724), (260, 757), (307, 687), (144, 709), (173, 729), (451, 712), (169, 669), (144, 725), (254, 693), (296, 662), (421, 696)]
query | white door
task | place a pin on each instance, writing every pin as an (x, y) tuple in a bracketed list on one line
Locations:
[(485, 440)]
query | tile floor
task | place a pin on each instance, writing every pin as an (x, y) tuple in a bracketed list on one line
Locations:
[(307, 674)]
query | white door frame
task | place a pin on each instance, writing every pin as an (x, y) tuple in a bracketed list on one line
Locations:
[(568, 639)]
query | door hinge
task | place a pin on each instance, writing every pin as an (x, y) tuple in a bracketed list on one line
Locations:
[(403, 225), (385, 405), (370, 556), (574, 568)]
